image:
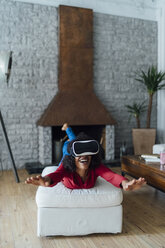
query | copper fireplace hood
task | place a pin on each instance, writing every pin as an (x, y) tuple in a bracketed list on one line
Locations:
[(75, 102)]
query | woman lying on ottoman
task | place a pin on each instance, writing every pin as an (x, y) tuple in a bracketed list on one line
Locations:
[(80, 169)]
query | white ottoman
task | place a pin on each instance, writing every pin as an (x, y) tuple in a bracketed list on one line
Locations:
[(158, 148), (62, 211)]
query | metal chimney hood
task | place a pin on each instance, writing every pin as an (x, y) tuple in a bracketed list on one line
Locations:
[(75, 102)]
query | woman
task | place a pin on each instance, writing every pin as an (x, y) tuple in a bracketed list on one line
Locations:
[(80, 169)]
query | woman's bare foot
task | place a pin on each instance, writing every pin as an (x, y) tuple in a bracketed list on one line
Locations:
[(39, 181), (64, 127)]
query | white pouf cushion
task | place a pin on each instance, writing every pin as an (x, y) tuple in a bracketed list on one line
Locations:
[(158, 148), (62, 211), (103, 194)]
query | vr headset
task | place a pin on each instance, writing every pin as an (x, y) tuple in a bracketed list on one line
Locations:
[(85, 147)]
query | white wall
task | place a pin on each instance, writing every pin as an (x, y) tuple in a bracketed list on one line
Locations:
[(144, 9), (161, 66)]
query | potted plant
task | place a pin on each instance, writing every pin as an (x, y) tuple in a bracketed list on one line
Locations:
[(136, 109), (144, 139), (153, 82)]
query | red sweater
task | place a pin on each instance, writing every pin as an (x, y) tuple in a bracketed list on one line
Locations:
[(73, 181)]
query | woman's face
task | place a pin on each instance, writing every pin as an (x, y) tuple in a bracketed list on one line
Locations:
[(83, 162)]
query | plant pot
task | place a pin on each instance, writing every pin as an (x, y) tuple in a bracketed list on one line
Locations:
[(143, 140)]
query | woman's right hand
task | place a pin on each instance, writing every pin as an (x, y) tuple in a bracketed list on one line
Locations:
[(39, 181)]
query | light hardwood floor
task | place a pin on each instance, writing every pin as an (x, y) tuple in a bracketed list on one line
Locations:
[(143, 225)]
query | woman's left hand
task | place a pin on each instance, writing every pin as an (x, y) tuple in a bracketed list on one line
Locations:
[(133, 184)]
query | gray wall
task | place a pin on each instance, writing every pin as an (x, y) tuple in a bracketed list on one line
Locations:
[(121, 46)]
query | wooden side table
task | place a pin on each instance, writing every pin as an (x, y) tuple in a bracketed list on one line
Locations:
[(135, 166)]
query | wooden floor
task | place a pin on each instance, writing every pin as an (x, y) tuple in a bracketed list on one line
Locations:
[(143, 225)]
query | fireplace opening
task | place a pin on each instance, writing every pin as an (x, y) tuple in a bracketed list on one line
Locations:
[(96, 132)]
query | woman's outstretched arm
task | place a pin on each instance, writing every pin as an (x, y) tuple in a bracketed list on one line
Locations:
[(39, 181), (118, 180), (133, 184)]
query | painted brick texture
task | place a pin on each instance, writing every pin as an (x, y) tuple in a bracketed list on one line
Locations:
[(121, 46)]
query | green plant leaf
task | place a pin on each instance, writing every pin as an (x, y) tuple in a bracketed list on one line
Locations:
[(152, 79), (136, 109)]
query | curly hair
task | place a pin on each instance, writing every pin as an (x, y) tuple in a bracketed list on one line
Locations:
[(69, 161)]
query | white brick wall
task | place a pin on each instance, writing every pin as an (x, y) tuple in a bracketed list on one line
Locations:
[(121, 46), (45, 145)]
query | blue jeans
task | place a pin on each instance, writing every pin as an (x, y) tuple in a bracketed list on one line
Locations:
[(71, 137)]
